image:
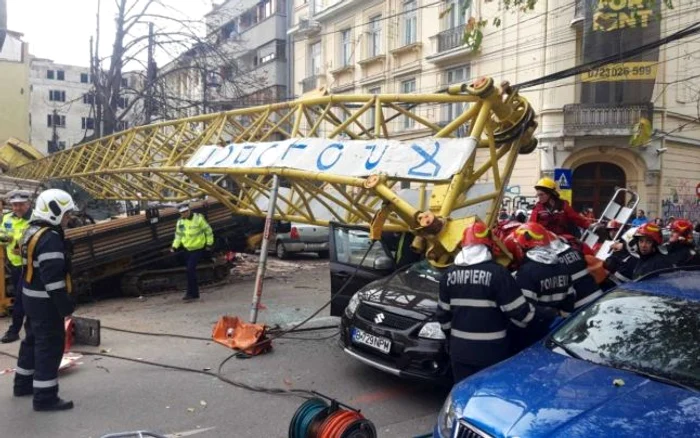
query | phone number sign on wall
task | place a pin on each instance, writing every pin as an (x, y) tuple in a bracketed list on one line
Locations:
[(428, 159)]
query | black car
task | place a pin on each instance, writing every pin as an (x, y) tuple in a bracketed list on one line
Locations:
[(387, 319)]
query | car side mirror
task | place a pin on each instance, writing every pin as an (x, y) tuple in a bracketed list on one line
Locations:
[(383, 263)]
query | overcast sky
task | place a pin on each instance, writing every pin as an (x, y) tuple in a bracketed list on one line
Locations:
[(60, 30)]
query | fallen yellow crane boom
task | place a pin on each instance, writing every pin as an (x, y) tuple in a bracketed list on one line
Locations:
[(154, 162)]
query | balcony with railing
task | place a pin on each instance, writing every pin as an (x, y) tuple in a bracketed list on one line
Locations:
[(604, 119), (448, 44)]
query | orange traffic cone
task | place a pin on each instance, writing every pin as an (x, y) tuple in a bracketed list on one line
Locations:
[(238, 335)]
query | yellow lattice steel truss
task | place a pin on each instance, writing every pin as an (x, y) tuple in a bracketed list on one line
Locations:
[(148, 162)]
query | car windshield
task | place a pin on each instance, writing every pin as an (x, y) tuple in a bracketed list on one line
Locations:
[(420, 277), (657, 335), (424, 269)]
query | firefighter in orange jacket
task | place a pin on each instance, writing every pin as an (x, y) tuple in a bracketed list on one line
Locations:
[(554, 213)]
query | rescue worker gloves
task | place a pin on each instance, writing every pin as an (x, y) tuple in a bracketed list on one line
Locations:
[(477, 234), (52, 205), (532, 235), (650, 231)]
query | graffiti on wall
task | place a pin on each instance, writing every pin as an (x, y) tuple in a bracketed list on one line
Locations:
[(682, 200)]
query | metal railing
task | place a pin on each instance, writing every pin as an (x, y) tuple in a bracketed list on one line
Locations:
[(598, 117), (451, 38)]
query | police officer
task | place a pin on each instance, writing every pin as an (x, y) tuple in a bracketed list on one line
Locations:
[(585, 287), (478, 301), (13, 225), (45, 289), (195, 235), (648, 239), (544, 281)]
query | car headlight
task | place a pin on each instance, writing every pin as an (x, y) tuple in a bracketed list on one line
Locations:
[(447, 418), (431, 330), (352, 305)]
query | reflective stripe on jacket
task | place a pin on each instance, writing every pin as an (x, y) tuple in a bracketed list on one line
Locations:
[(45, 290), (14, 227), (476, 305), (193, 233)]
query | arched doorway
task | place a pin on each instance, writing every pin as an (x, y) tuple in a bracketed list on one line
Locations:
[(595, 183)]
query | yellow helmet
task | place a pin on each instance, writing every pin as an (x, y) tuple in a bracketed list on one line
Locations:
[(546, 184)]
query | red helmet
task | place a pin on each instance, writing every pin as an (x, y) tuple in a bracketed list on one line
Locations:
[(531, 235), (650, 231), (614, 225), (506, 228), (683, 227), (514, 248), (477, 234)]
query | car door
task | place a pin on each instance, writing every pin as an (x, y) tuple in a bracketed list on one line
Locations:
[(348, 246)]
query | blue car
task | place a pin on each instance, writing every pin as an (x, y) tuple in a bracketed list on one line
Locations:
[(628, 365)]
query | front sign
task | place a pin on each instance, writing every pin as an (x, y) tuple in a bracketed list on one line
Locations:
[(612, 27)]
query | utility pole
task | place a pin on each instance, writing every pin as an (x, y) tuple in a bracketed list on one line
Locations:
[(150, 75), (54, 136), (96, 76)]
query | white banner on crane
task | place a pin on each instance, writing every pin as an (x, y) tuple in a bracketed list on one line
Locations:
[(427, 159)]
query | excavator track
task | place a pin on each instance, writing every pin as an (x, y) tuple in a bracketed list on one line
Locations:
[(160, 281)]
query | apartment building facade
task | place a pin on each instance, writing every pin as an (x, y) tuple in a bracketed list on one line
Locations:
[(585, 124), (249, 55), (62, 112), (14, 88)]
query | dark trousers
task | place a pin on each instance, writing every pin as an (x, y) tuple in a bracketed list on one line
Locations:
[(461, 371), (17, 307), (192, 260), (39, 358)]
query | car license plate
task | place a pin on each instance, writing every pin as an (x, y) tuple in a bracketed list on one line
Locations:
[(364, 338)]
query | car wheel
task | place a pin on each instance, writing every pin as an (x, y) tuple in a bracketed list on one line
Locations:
[(324, 254), (281, 251)]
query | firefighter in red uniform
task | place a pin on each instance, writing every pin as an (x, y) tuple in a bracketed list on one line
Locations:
[(681, 246), (554, 213)]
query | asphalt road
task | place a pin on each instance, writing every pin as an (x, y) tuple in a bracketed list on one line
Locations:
[(116, 396)]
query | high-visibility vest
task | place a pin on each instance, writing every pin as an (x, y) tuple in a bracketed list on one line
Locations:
[(193, 233), (14, 227)]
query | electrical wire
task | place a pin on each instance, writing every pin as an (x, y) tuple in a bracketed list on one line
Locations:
[(566, 73), (304, 393)]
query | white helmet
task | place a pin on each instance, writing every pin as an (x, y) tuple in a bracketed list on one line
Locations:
[(628, 238), (52, 205)]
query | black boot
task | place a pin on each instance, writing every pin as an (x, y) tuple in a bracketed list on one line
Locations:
[(9, 337), (59, 405), (21, 392)]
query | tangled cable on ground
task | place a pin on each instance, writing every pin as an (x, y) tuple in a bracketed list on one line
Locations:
[(304, 393)]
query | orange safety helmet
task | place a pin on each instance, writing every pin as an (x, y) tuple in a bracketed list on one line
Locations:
[(650, 231), (477, 234), (683, 227), (531, 235)]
